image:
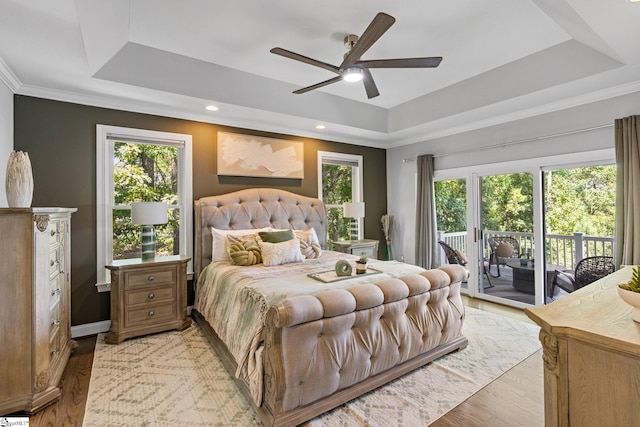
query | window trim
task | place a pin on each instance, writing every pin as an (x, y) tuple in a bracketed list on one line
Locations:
[(105, 136), (357, 187)]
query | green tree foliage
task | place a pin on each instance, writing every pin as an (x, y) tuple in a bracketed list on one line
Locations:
[(337, 189), (507, 202), (580, 200), (576, 200), (451, 205), (144, 172)]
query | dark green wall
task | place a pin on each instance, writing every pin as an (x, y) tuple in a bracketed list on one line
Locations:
[(60, 138)]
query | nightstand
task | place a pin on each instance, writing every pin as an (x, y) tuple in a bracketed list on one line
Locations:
[(147, 297), (361, 247)]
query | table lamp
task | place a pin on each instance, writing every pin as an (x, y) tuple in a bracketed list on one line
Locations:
[(354, 210), (148, 214)]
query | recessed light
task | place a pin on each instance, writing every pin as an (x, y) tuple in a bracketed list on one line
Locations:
[(320, 127), (211, 108)]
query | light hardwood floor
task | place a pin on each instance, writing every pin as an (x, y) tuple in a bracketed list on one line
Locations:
[(515, 399)]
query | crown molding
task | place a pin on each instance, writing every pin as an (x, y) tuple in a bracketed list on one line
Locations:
[(8, 77), (468, 126)]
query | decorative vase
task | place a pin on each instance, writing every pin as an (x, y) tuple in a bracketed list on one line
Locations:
[(19, 180), (633, 299), (389, 256)]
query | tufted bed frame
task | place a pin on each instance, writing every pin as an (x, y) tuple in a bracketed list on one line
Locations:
[(360, 338)]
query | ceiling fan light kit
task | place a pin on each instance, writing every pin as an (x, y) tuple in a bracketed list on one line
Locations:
[(354, 69), (352, 74)]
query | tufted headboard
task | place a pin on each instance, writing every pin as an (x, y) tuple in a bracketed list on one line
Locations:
[(254, 208)]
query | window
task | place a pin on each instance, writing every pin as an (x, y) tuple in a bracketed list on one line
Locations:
[(141, 165), (341, 182)]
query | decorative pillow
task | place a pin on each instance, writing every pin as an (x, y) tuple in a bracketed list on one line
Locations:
[(276, 236), (281, 253), (219, 241), (462, 256), (245, 252), (309, 243), (504, 250)]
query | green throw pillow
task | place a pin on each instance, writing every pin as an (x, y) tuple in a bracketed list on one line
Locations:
[(276, 236)]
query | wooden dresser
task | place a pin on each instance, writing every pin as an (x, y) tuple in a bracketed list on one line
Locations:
[(35, 294), (147, 297), (591, 355)]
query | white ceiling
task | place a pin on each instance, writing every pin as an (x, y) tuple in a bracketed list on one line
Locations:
[(503, 60)]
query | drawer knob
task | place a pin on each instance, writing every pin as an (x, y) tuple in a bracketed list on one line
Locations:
[(53, 233), (56, 292), (151, 278), (151, 313), (151, 295), (55, 351), (52, 263), (55, 323)]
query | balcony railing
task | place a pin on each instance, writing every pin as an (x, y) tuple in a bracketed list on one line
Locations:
[(564, 250)]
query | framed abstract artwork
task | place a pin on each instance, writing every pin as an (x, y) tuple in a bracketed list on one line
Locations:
[(249, 155)]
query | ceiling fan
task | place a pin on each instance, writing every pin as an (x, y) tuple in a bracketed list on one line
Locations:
[(355, 69)]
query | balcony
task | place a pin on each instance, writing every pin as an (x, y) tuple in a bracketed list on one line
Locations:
[(562, 250)]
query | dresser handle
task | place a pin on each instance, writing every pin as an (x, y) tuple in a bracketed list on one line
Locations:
[(53, 233), (151, 313), (52, 262), (55, 323), (55, 351), (151, 295), (151, 278), (56, 292)]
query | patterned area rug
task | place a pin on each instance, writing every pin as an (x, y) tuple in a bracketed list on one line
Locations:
[(175, 378)]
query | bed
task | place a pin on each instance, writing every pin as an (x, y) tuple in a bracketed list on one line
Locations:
[(297, 346)]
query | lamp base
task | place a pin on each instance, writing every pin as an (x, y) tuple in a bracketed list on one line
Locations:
[(354, 229), (148, 243)]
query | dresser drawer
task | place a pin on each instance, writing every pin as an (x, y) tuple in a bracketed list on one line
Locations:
[(56, 230), (56, 259), (147, 278), (55, 285), (150, 294), (150, 314), (54, 330)]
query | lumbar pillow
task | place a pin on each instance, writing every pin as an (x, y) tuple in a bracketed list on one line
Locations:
[(281, 253), (504, 250), (276, 236), (245, 252), (309, 243)]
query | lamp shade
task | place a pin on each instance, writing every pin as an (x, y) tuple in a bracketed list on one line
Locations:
[(149, 213), (354, 210)]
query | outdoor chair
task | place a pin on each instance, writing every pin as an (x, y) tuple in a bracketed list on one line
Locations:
[(455, 256), (588, 270), (503, 250)]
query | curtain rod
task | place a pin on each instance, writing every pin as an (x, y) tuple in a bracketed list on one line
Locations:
[(519, 141)]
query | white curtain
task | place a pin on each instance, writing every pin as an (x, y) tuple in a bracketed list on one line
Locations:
[(426, 231), (627, 231)]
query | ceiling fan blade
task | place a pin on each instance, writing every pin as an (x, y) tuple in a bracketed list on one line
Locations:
[(431, 62), (305, 59), (318, 85), (369, 84), (380, 24)]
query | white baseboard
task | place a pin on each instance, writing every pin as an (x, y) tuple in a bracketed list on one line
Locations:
[(90, 329), (94, 328)]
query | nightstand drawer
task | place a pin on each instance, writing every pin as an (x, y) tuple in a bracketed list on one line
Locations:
[(149, 295), (150, 277), (54, 331), (369, 251), (151, 314)]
